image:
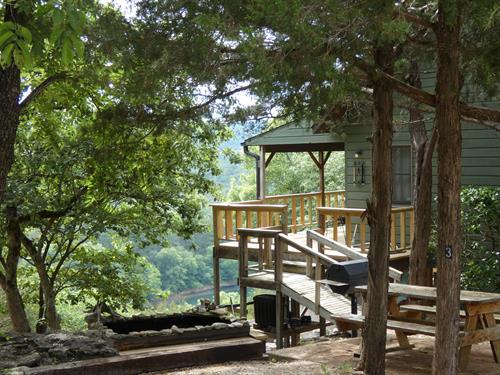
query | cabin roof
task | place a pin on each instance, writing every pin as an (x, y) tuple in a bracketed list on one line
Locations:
[(296, 137)]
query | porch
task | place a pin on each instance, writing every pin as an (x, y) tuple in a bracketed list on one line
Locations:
[(294, 214)]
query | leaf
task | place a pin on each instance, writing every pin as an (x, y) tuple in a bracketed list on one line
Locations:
[(55, 34), (6, 37), (78, 45), (6, 57), (67, 52), (18, 57), (26, 34), (25, 50), (7, 26), (57, 17), (76, 21)]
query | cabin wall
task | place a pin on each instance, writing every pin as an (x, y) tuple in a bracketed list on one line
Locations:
[(480, 148)]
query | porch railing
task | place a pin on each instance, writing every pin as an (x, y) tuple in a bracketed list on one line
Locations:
[(354, 226), (293, 211)]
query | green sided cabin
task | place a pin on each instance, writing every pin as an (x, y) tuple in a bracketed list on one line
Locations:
[(339, 214)]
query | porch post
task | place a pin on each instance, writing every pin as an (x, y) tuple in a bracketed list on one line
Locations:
[(322, 177), (262, 171)]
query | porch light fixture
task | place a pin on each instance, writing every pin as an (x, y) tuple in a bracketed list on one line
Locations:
[(357, 154)]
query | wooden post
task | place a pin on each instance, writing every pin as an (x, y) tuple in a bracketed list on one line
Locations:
[(317, 290), (216, 270), (243, 272), (295, 313), (262, 177), (348, 229), (322, 177), (278, 278), (402, 230)]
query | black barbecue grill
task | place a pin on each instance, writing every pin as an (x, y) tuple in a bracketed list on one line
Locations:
[(343, 277)]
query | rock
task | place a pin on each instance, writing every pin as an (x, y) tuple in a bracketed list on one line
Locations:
[(176, 330), (30, 360), (166, 331), (236, 324), (200, 328), (32, 350), (189, 329), (21, 370), (151, 333), (219, 325)]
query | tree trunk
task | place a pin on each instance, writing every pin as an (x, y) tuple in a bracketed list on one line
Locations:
[(46, 284), (449, 150), (379, 219), (10, 88), (8, 280), (424, 149)]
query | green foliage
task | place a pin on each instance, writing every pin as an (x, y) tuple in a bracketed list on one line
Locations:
[(481, 234), (287, 174), (33, 30)]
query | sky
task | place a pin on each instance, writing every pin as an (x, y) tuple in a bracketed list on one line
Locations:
[(126, 6)]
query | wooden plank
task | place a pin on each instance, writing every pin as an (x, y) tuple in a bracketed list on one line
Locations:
[(294, 216), (476, 301), (128, 344), (412, 227), (393, 232), (218, 226), (252, 207), (432, 310), (402, 230), (248, 219), (256, 232), (348, 230), (494, 342), (229, 224), (480, 335), (167, 358), (239, 220), (481, 308), (302, 211), (362, 236), (310, 200)]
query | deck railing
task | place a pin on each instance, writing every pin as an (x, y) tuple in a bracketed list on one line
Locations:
[(295, 211), (354, 226)]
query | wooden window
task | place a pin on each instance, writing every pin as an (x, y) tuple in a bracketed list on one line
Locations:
[(401, 175)]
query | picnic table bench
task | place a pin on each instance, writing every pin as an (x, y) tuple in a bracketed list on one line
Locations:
[(479, 308)]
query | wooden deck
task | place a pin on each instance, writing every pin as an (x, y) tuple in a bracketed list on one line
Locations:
[(302, 290), (228, 249)]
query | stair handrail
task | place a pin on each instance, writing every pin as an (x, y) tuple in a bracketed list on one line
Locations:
[(347, 251), (282, 242)]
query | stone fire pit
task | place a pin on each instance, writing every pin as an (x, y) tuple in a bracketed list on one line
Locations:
[(161, 330)]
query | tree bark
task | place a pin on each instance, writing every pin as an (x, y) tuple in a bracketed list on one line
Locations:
[(8, 279), (10, 88), (449, 167), (46, 283), (379, 219), (424, 149)]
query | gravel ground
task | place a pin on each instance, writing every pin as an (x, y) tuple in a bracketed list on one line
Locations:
[(263, 367)]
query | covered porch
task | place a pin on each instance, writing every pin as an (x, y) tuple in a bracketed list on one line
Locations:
[(322, 210)]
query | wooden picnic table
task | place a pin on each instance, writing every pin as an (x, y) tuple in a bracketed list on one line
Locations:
[(480, 324)]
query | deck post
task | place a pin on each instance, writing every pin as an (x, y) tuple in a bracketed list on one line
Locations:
[(262, 170), (322, 177), (295, 313), (216, 270), (243, 272), (278, 278)]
